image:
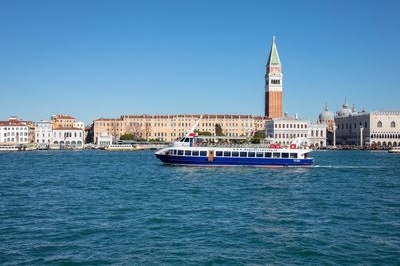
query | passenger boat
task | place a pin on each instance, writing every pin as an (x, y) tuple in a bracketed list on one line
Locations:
[(10, 148), (123, 147), (17, 147), (187, 151), (394, 150)]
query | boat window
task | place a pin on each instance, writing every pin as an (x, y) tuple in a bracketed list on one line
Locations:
[(180, 152), (195, 153), (251, 154), (243, 154), (268, 155), (203, 153), (227, 154), (188, 153), (276, 155), (235, 154), (285, 155), (186, 140), (293, 155), (218, 153), (260, 154)]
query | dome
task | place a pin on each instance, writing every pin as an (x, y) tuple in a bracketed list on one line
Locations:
[(326, 115), (346, 111)]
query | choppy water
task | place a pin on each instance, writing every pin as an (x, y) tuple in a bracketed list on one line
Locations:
[(97, 207)]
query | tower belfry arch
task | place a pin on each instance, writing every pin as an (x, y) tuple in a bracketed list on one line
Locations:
[(273, 83)]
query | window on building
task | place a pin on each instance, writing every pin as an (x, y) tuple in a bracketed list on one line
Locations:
[(392, 124), (379, 124)]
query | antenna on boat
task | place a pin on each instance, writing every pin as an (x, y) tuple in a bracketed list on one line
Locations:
[(191, 130)]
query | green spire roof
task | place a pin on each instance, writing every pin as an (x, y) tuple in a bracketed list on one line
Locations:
[(273, 58)]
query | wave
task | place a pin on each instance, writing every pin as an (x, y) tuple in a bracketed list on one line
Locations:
[(351, 166)]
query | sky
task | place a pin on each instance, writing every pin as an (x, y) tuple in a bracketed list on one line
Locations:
[(103, 59)]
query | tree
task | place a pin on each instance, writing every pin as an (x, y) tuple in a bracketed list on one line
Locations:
[(218, 130), (127, 136), (258, 137), (203, 133)]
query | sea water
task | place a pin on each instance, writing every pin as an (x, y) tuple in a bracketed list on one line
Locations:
[(99, 207)]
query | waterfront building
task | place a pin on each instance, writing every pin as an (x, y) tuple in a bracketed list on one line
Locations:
[(317, 134), (68, 137), (43, 133), (67, 132), (273, 84), (285, 129), (63, 121), (376, 129), (15, 131), (384, 128), (172, 127), (104, 140)]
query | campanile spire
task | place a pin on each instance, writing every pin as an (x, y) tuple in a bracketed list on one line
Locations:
[(273, 83)]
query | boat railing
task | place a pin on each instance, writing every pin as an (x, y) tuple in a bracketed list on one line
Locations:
[(231, 145)]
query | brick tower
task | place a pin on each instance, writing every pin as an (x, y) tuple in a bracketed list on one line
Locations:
[(273, 84)]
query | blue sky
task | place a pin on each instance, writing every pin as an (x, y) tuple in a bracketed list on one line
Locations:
[(94, 59)]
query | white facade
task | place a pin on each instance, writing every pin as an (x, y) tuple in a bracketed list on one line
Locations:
[(104, 140), (68, 138), (43, 132), (79, 124), (317, 134), (378, 128), (14, 131), (286, 129), (385, 128)]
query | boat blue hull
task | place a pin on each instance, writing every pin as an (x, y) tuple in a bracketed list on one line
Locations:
[(231, 161)]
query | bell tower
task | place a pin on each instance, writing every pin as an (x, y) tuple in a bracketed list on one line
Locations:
[(273, 84)]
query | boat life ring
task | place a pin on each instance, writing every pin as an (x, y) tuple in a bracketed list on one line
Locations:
[(293, 146)]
